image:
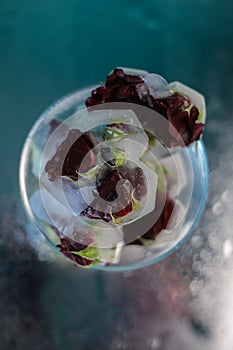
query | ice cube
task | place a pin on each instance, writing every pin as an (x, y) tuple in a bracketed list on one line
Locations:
[(85, 120), (158, 86), (180, 175), (133, 71), (132, 254), (38, 208), (48, 209), (196, 97)]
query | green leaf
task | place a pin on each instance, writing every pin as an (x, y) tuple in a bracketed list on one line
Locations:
[(119, 121), (36, 155), (147, 242), (188, 109), (110, 133), (172, 91), (200, 116), (75, 183), (51, 234), (160, 170), (196, 146), (97, 254), (151, 137), (135, 206), (118, 156), (94, 263), (89, 253), (135, 203), (116, 221), (90, 174)]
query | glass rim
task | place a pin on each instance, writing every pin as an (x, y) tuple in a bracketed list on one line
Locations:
[(23, 191)]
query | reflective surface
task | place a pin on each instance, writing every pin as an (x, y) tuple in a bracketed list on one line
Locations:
[(185, 301)]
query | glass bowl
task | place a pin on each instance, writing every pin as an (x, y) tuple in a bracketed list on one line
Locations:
[(192, 159)]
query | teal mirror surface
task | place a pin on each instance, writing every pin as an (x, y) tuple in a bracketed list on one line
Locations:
[(49, 49)]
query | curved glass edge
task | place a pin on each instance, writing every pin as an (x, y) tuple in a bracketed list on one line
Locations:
[(191, 229), (22, 166), (68, 100)]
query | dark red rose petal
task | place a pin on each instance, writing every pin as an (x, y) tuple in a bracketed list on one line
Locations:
[(123, 212), (72, 152), (107, 180), (67, 246), (179, 122), (137, 178), (53, 125), (78, 259), (122, 87), (92, 212), (162, 221), (194, 113), (118, 76), (197, 131)]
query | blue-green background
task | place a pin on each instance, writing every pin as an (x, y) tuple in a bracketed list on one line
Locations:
[(50, 48), (53, 47)]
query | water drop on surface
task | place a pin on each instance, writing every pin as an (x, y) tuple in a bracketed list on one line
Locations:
[(196, 257), (197, 242), (226, 196), (218, 208), (195, 287), (196, 266), (223, 331), (227, 248), (213, 241), (154, 343), (205, 255)]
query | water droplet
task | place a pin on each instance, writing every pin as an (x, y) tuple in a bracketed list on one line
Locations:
[(197, 241), (224, 330), (218, 208), (120, 346), (213, 241), (196, 257), (205, 255), (154, 343), (227, 248), (175, 297), (226, 196), (148, 254), (195, 286), (196, 266)]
